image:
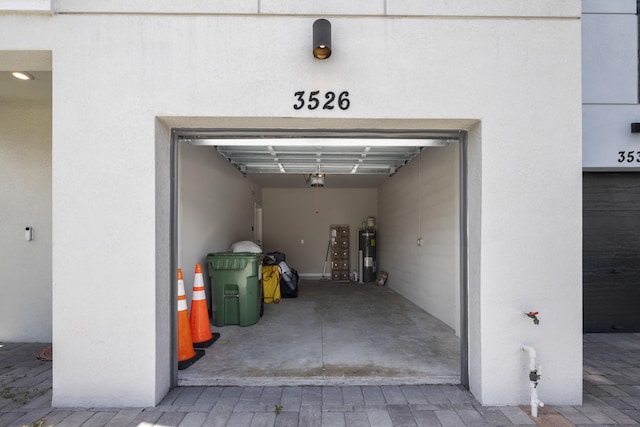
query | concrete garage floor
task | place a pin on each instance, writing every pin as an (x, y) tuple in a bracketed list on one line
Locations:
[(333, 334)]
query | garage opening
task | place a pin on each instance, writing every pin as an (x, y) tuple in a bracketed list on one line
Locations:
[(304, 184)]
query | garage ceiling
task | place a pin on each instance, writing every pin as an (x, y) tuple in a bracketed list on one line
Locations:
[(351, 159), (318, 158)]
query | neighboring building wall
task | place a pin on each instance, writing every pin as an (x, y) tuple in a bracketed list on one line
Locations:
[(215, 209), (295, 214), (505, 78), (611, 162), (421, 200), (610, 85), (25, 201)]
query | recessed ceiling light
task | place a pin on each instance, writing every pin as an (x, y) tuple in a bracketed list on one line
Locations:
[(22, 75)]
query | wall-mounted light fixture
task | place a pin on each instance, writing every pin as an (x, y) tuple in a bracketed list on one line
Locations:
[(22, 75), (322, 39), (635, 127)]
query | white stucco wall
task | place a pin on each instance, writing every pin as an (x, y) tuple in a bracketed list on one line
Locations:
[(463, 8), (25, 194), (27, 6), (114, 74), (421, 200)]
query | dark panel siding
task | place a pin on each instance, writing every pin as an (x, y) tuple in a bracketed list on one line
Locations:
[(611, 252)]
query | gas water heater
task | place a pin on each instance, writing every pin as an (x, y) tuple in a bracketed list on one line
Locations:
[(367, 254)]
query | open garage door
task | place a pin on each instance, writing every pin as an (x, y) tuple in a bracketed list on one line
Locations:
[(418, 174)]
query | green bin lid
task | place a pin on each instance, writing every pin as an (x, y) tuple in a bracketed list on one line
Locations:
[(231, 260)]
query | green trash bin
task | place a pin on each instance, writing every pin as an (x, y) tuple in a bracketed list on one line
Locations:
[(235, 282)]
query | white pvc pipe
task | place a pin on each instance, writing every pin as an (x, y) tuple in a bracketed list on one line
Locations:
[(535, 402), (533, 367), (532, 356)]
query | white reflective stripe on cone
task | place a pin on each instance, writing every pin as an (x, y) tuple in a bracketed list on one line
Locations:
[(199, 295), (180, 288), (182, 304), (198, 281)]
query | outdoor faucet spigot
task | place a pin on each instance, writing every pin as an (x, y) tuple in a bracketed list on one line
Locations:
[(533, 315)]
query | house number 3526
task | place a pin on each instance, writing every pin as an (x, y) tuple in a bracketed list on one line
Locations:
[(326, 101)]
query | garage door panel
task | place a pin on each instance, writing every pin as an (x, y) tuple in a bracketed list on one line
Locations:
[(611, 252)]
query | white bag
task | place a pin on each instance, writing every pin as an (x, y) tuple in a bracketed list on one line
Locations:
[(284, 269), (245, 246)]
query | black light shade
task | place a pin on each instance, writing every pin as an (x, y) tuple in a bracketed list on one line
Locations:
[(635, 127), (322, 39)]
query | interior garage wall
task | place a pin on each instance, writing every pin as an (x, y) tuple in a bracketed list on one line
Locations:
[(215, 208), (292, 215), (421, 200), (25, 191)]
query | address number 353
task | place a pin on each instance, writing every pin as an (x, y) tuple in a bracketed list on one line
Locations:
[(629, 156), (326, 101)]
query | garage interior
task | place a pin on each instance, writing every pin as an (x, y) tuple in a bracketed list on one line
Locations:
[(285, 190)]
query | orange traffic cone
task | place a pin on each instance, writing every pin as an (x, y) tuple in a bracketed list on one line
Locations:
[(199, 317), (187, 355)]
